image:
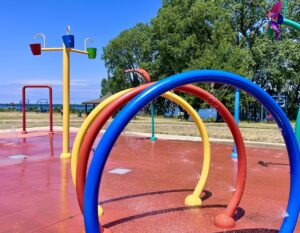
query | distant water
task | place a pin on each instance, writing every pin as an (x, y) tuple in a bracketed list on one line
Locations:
[(18, 107)]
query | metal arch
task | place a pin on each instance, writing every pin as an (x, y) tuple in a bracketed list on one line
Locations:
[(108, 139)]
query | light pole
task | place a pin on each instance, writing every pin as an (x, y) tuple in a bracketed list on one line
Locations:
[(68, 46)]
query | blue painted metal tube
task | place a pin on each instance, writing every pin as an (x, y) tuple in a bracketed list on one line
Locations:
[(237, 106), (104, 147), (236, 116)]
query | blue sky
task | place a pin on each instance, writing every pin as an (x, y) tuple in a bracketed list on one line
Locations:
[(102, 20)]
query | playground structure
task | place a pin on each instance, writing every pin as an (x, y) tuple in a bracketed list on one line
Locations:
[(95, 125), (87, 183), (24, 106), (68, 46), (276, 18), (105, 145)]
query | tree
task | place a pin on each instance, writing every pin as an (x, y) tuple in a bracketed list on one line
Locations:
[(199, 34), (274, 66), (104, 87), (278, 69), (196, 35), (128, 50)]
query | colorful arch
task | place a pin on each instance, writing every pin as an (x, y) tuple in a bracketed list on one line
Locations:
[(101, 119), (193, 199), (105, 145), (241, 175), (83, 130)]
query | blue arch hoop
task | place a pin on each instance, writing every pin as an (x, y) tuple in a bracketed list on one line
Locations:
[(104, 147)]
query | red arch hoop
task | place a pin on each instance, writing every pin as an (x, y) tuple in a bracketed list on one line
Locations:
[(24, 106)]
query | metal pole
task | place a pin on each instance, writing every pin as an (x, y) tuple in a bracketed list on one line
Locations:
[(50, 111), (153, 138), (236, 117), (23, 111), (66, 93), (284, 9), (66, 102)]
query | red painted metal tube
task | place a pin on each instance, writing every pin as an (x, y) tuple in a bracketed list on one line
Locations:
[(91, 135), (224, 220), (142, 73), (24, 106)]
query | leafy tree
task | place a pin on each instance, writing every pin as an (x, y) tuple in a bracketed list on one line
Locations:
[(104, 87), (196, 35), (199, 34), (278, 70), (128, 50)]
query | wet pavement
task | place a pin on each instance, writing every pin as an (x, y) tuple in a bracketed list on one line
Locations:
[(143, 187)]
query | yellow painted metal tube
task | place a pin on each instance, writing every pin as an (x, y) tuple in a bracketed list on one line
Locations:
[(192, 199), (66, 104), (78, 51), (52, 49), (84, 128)]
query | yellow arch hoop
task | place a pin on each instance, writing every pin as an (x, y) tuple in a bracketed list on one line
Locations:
[(84, 128), (191, 200)]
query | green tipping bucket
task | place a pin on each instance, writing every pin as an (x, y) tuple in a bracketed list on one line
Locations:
[(92, 53)]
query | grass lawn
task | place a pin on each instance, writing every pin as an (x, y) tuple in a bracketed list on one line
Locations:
[(261, 132)]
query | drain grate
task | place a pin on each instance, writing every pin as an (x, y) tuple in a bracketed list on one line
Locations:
[(119, 171), (18, 157)]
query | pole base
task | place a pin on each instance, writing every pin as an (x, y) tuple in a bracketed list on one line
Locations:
[(24, 132), (66, 155), (51, 132), (192, 200), (224, 221), (105, 230), (153, 139), (234, 155), (100, 211)]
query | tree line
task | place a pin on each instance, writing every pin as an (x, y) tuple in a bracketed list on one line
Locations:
[(226, 35)]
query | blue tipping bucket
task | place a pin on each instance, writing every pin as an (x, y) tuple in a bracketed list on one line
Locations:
[(68, 41)]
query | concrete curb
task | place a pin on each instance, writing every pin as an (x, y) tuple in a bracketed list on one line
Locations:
[(137, 134)]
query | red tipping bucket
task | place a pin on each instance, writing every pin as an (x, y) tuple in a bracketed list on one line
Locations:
[(35, 49)]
